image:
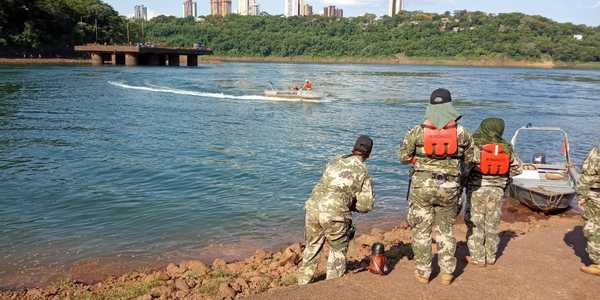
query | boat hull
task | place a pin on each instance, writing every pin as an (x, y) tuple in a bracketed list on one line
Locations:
[(293, 95), (542, 200)]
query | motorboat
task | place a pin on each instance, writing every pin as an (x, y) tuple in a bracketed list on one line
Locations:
[(300, 95), (544, 186)]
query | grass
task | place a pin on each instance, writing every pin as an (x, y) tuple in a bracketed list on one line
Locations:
[(125, 291), (289, 280), (216, 279)]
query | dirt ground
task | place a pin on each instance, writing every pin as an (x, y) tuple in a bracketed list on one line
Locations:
[(540, 264)]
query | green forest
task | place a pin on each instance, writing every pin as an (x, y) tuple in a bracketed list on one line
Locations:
[(52, 27)]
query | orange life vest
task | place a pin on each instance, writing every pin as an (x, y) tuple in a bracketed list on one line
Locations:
[(308, 86), (493, 161), (440, 142)]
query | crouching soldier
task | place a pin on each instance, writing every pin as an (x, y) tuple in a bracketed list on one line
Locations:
[(344, 187), (588, 191), (438, 148), (493, 165)]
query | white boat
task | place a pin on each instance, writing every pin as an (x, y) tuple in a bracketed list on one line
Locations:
[(301, 95), (545, 187)]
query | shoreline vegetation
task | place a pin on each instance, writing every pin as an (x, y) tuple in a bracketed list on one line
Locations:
[(459, 62), (265, 271)]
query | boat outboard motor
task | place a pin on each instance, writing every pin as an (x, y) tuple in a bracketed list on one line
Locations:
[(539, 159)]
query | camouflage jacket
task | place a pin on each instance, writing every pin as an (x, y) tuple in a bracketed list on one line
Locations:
[(477, 179), (412, 147), (589, 181), (344, 187)]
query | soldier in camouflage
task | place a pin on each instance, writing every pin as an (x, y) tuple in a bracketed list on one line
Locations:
[(588, 191), (344, 187), (485, 194), (435, 187)]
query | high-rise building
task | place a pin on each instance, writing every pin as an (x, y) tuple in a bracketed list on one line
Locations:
[(244, 7), (396, 6), (220, 7), (190, 9), (332, 11), (254, 8), (308, 10), (293, 7), (140, 12)]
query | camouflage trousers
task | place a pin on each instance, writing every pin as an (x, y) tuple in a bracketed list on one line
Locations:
[(591, 229), (482, 217), (433, 202), (321, 227)]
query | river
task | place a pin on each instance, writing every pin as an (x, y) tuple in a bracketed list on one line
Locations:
[(146, 164)]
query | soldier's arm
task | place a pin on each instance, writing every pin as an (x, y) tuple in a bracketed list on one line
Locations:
[(516, 167), (365, 198), (409, 147), (469, 148), (589, 172)]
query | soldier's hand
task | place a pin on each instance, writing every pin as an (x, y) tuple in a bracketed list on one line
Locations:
[(581, 203)]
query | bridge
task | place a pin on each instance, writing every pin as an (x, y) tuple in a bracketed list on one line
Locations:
[(142, 55)]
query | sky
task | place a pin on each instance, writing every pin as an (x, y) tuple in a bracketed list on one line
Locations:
[(574, 11)]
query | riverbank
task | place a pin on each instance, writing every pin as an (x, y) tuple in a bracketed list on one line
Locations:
[(459, 62), (402, 60), (274, 271)]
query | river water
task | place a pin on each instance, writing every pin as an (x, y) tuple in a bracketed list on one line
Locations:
[(138, 164)]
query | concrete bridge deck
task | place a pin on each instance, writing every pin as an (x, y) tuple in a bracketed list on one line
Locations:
[(142, 55)]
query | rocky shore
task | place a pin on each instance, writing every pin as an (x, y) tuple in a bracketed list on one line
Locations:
[(263, 271)]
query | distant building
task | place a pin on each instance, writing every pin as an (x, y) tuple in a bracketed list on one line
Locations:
[(307, 10), (254, 8), (140, 13), (243, 7), (332, 11), (190, 9), (294, 8), (396, 6), (578, 37), (220, 7)]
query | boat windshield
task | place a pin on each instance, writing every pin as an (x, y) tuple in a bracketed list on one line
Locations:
[(529, 144)]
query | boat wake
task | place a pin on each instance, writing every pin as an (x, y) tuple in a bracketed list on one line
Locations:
[(159, 89)]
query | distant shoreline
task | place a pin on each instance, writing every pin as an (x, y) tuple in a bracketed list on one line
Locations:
[(466, 62), (458, 62)]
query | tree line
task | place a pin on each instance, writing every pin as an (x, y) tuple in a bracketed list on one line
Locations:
[(51, 27)]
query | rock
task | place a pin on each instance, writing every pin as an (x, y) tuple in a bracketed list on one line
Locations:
[(367, 240), (226, 292), (173, 271), (296, 248), (236, 267), (144, 297), (180, 284), (261, 254), (289, 256), (181, 294), (239, 285), (160, 291), (34, 293), (218, 264), (393, 236), (196, 266), (163, 276), (259, 283)]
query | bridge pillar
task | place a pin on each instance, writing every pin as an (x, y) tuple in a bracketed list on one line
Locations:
[(173, 60), (113, 59), (192, 60), (131, 59), (97, 59)]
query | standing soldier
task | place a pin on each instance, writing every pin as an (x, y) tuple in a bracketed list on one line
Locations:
[(494, 163), (588, 191), (438, 149), (344, 187)]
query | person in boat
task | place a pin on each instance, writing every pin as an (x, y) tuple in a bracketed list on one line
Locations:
[(588, 193), (493, 165), (307, 85), (345, 187), (438, 149)]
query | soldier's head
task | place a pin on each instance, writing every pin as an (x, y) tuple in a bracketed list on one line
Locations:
[(363, 147), (440, 110)]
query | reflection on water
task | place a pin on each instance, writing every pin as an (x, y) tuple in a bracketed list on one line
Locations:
[(90, 169)]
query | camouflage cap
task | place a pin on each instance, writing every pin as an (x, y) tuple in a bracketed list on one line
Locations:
[(364, 144)]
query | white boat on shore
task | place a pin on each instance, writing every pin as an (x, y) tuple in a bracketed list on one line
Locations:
[(545, 187), (304, 96)]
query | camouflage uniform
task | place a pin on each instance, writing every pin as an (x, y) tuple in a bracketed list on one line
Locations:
[(588, 191), (434, 193), (484, 209), (344, 187)]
